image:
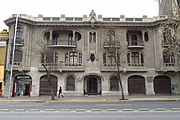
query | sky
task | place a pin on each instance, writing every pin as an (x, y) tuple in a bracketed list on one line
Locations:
[(77, 8)]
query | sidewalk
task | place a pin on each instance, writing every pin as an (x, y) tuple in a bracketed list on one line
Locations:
[(134, 98)]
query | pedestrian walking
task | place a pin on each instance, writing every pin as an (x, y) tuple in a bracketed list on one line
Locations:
[(60, 93), (173, 89)]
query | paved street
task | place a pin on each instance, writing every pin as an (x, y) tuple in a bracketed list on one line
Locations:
[(91, 116), (133, 103), (89, 105), (91, 108)]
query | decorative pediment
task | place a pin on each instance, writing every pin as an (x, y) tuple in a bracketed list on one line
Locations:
[(92, 17)]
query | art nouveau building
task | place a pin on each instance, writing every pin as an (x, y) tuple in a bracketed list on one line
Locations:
[(82, 52)]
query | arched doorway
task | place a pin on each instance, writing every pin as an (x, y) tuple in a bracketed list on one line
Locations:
[(92, 85), (136, 85), (162, 85), (44, 85), (22, 85)]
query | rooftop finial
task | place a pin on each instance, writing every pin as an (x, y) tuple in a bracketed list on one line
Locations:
[(92, 14)]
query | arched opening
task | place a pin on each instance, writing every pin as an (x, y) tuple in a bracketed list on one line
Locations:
[(44, 85), (114, 84), (92, 85), (136, 85), (22, 85), (70, 83), (162, 85)]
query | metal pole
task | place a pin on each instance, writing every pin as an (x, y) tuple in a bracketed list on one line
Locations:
[(12, 64)]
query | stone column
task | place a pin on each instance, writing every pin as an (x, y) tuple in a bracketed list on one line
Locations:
[(50, 37), (149, 86), (73, 39), (142, 38)]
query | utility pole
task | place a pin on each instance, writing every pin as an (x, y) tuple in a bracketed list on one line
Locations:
[(12, 55)]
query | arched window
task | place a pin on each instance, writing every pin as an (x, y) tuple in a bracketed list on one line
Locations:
[(73, 58), (18, 54), (109, 58), (111, 37), (70, 83), (92, 37), (114, 84), (135, 59), (169, 58)]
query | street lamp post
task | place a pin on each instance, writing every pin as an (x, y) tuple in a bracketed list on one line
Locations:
[(12, 57)]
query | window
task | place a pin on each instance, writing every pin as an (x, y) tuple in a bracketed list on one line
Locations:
[(178, 3), (166, 36), (19, 35), (135, 37), (169, 58), (19, 32), (73, 58), (114, 84), (70, 39), (77, 36), (134, 40), (49, 57), (56, 39), (70, 84), (92, 37), (111, 37), (109, 58), (146, 37), (18, 56), (46, 36), (135, 59)]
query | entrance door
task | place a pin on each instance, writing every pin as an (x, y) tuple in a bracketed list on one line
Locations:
[(44, 85), (162, 85), (92, 85), (136, 85)]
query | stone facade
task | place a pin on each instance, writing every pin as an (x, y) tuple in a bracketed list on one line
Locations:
[(82, 55)]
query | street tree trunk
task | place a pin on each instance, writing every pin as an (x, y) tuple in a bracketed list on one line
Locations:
[(120, 82), (49, 80)]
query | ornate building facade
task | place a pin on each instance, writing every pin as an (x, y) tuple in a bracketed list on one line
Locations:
[(82, 53)]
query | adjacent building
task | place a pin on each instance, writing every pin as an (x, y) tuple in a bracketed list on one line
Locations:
[(3, 44), (82, 53)]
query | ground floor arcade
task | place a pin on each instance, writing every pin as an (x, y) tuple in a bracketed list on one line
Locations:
[(93, 84)]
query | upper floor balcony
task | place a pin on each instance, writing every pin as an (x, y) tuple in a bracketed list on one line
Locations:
[(18, 66), (123, 68), (168, 67), (136, 45), (111, 44), (61, 38), (136, 39), (61, 43), (62, 67)]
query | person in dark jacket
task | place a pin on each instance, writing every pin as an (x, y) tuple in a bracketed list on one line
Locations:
[(60, 93)]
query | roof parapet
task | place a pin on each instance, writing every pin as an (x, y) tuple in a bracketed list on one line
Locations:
[(122, 18)]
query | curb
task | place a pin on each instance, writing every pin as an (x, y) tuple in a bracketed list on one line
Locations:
[(94, 100), (92, 110)]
